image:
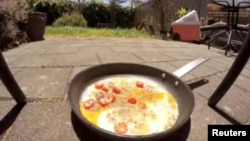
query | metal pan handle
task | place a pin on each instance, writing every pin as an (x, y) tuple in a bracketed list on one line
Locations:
[(189, 67)]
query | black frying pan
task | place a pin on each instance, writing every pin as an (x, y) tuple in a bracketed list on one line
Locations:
[(171, 81)]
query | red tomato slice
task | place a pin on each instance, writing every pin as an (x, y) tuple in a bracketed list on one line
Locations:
[(139, 84), (105, 89), (89, 103), (103, 101), (111, 98), (121, 128), (98, 85), (132, 100), (142, 105), (116, 90)]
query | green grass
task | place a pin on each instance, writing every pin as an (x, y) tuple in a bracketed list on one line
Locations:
[(93, 32)]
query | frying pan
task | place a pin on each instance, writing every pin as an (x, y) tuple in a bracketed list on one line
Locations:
[(170, 81)]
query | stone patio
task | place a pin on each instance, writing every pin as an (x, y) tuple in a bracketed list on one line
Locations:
[(44, 70)]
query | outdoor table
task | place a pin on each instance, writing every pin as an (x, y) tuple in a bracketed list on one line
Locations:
[(235, 70), (233, 7)]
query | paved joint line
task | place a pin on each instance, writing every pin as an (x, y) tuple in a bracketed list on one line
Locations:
[(50, 67), (98, 58), (45, 100), (204, 77)]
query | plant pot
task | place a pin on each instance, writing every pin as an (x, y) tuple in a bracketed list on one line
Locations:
[(36, 26)]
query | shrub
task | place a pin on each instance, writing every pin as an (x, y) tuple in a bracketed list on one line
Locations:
[(124, 17), (73, 19), (96, 13), (13, 17), (56, 8), (182, 12)]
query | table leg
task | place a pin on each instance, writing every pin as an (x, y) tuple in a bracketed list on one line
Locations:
[(10, 82), (233, 73)]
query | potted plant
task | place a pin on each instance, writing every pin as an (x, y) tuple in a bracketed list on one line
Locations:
[(36, 21)]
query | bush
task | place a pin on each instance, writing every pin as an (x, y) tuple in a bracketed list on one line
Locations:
[(124, 17), (182, 12), (13, 17), (73, 19), (56, 8), (96, 13)]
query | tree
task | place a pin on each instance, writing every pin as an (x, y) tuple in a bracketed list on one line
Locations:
[(164, 9), (135, 3), (114, 5)]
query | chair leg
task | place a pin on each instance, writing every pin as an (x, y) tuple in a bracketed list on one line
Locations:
[(215, 37), (233, 73), (10, 82), (229, 44)]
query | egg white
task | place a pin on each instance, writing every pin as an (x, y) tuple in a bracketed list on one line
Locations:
[(164, 113)]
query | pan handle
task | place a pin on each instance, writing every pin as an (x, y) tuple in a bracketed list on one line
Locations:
[(190, 66)]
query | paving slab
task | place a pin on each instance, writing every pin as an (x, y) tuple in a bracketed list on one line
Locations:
[(169, 68), (63, 50), (33, 61), (172, 49), (153, 56), (235, 102), (10, 59), (6, 108), (96, 48), (76, 70), (36, 50), (246, 72), (241, 81), (201, 117), (4, 93), (13, 71), (112, 57), (43, 82), (72, 55), (125, 49), (87, 58), (161, 65), (43, 122), (13, 52), (218, 66), (224, 60), (200, 71), (148, 49), (178, 55)]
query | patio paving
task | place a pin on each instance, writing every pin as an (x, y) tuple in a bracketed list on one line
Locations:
[(44, 70)]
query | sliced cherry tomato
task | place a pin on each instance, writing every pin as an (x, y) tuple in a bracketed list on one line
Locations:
[(105, 89), (142, 105), (121, 128), (89, 103), (132, 101), (111, 98), (103, 101), (98, 85), (139, 84), (116, 90)]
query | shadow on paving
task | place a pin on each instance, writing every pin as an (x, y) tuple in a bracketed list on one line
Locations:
[(84, 134), (9, 118), (201, 82)]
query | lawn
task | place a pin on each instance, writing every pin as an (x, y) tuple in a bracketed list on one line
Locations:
[(94, 32)]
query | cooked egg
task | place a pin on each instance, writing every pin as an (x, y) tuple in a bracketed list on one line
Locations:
[(159, 114)]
